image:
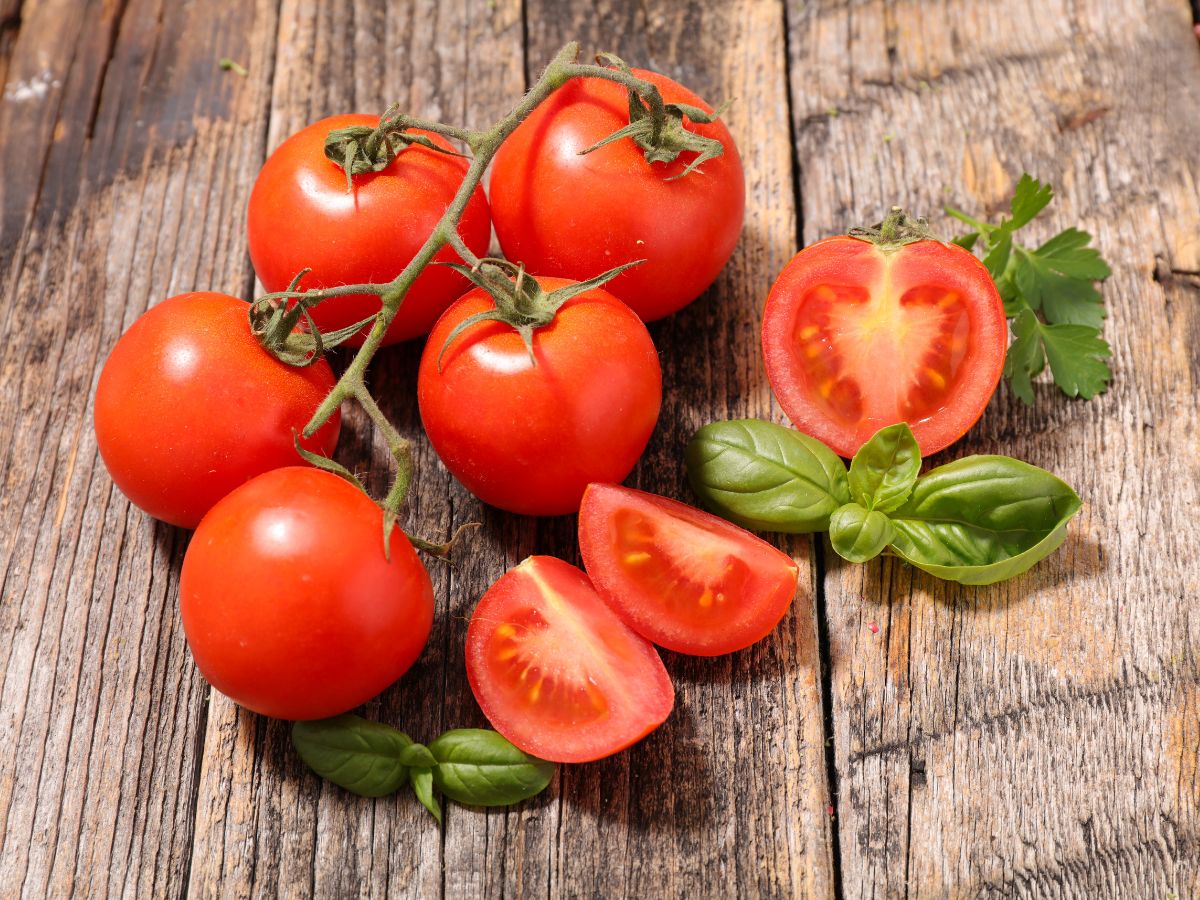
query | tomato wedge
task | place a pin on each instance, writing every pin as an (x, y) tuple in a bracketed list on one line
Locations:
[(858, 335), (684, 579), (556, 671)]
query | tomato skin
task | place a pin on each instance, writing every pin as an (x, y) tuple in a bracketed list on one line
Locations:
[(556, 671), (301, 216), (575, 216), (934, 363), (189, 406), (289, 605), (528, 437), (643, 551)]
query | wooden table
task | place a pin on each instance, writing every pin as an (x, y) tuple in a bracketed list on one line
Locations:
[(896, 734)]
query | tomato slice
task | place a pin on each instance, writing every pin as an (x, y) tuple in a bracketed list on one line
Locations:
[(686, 580), (556, 671), (856, 337)]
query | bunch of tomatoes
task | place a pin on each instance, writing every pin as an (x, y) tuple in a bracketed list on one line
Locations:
[(539, 389)]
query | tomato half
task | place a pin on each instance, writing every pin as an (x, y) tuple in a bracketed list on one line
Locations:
[(856, 338), (572, 215), (556, 671), (301, 216), (189, 406), (684, 579), (289, 605)]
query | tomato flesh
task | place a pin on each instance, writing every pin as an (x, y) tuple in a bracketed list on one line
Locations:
[(684, 579), (556, 671)]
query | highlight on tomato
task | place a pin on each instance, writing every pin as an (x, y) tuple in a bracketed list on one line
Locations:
[(289, 605), (681, 578), (556, 671), (190, 405), (568, 202), (304, 215), (883, 326)]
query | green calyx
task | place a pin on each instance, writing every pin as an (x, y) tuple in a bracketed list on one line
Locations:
[(275, 324), (658, 128), (896, 230), (359, 149), (520, 301)]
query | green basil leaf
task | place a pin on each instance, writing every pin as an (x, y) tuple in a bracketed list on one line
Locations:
[(362, 757), (422, 784), (885, 468), (417, 755), (481, 768), (983, 519), (859, 534), (765, 476)]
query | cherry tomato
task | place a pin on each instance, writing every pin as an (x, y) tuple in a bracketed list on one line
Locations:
[(856, 338), (302, 216), (189, 406), (557, 672), (289, 605), (572, 215), (528, 436), (679, 577)]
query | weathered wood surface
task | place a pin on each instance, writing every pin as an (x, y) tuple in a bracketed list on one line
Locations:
[(1036, 738)]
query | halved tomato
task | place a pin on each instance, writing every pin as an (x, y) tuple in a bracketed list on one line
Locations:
[(682, 578), (859, 334), (556, 671)]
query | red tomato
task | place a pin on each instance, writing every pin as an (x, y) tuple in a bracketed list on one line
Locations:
[(528, 437), (189, 406), (576, 216), (302, 216), (679, 577), (856, 338), (556, 672), (289, 605)]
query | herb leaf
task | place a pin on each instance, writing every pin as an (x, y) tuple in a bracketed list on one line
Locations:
[(481, 768), (885, 468), (422, 784), (859, 534), (361, 756)]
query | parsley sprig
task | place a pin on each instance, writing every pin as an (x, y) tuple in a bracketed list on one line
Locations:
[(1049, 295)]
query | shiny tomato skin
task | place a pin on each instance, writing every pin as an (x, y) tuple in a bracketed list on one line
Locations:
[(681, 578), (289, 605), (189, 406), (301, 216), (557, 672), (855, 339), (575, 216), (528, 437)]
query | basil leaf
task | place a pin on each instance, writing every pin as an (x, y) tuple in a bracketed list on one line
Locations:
[(422, 784), (362, 757), (417, 755), (859, 534), (765, 476), (481, 768), (983, 519), (885, 468)]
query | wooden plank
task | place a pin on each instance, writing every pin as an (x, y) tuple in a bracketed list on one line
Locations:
[(1036, 737)]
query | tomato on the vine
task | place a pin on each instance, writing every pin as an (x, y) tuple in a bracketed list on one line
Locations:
[(289, 604), (301, 215), (564, 213), (557, 672), (862, 332), (189, 406)]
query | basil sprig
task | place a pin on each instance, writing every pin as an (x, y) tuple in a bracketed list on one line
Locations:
[(977, 520), (472, 766)]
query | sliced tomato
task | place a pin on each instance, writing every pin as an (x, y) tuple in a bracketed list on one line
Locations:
[(682, 578), (857, 337), (556, 671)]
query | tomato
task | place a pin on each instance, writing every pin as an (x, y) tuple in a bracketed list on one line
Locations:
[(682, 578), (528, 436), (572, 215), (557, 672), (289, 605), (189, 406), (856, 338), (302, 216)]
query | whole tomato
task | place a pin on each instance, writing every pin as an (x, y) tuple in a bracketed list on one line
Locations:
[(301, 215), (575, 215), (289, 605), (528, 434), (189, 406)]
